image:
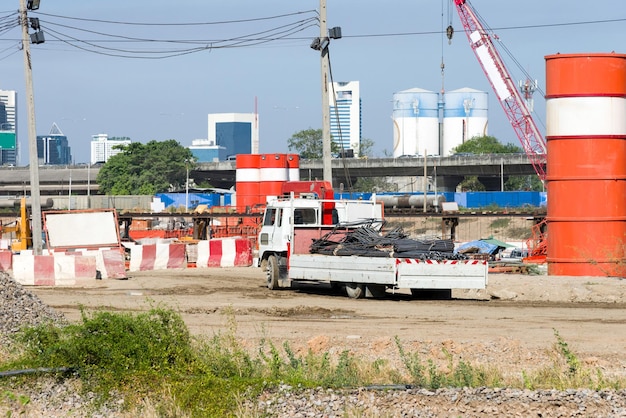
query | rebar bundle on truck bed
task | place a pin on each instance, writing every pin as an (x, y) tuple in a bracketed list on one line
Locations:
[(369, 242)]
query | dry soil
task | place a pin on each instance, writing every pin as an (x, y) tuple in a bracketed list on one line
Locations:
[(511, 324)]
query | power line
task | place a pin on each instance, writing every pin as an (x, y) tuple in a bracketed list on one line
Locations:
[(223, 22), (502, 28), (252, 39)]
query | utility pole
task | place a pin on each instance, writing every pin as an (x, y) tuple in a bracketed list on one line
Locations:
[(35, 198), (326, 148)]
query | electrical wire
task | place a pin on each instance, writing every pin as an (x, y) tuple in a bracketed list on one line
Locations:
[(223, 22), (273, 34), (501, 28)]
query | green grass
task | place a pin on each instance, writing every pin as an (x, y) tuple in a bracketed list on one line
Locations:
[(152, 359)]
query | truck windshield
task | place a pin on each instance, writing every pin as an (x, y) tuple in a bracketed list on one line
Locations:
[(270, 217)]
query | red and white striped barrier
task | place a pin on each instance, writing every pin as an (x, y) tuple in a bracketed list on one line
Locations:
[(224, 252), (6, 260), (110, 263), (450, 262), (157, 257), (52, 270)]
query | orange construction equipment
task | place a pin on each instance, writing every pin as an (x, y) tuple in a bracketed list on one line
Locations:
[(21, 228)]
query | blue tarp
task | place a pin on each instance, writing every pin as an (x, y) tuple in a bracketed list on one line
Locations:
[(478, 246)]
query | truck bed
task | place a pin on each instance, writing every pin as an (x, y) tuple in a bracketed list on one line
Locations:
[(396, 272)]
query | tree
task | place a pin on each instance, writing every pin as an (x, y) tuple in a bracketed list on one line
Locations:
[(485, 145), (523, 183), (373, 184), (490, 145), (366, 147), (308, 144), (471, 184), (152, 168)]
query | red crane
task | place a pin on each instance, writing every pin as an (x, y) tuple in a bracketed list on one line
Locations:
[(505, 88), (514, 106)]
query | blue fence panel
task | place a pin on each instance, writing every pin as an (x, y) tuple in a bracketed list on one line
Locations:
[(180, 199), (514, 199), (469, 200)]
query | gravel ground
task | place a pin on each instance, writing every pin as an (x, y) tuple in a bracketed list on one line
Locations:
[(60, 396)]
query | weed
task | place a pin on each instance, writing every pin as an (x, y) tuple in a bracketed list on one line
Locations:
[(413, 364), (526, 381), (151, 359), (571, 359)]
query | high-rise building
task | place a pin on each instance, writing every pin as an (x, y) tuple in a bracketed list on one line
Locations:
[(102, 147), (234, 133), (205, 151), (345, 115), (54, 149), (8, 128)]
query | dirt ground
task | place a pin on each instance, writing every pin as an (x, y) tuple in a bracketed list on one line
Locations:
[(511, 324)]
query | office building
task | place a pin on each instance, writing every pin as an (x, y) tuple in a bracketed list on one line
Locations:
[(345, 116), (8, 128), (102, 147), (206, 151), (53, 149), (233, 133)]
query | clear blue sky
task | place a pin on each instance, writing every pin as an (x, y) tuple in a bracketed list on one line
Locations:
[(387, 46)]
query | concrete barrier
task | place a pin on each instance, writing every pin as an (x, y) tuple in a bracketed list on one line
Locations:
[(157, 257), (110, 263), (52, 269), (224, 252), (6, 260)]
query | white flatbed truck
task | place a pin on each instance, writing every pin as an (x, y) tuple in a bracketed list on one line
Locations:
[(290, 225)]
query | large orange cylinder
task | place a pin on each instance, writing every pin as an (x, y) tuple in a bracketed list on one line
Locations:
[(293, 162), (586, 164), (247, 176), (274, 171)]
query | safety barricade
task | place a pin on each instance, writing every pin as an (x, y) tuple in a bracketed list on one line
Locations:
[(53, 269), (6, 260), (157, 257), (110, 263), (224, 252)]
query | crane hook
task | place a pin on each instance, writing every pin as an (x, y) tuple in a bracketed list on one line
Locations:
[(449, 33)]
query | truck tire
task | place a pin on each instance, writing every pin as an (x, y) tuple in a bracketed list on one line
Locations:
[(432, 294), (272, 271), (376, 290), (355, 290)]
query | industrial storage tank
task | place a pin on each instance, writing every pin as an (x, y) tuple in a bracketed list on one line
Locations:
[(586, 164), (415, 123), (464, 117), (248, 178), (412, 201)]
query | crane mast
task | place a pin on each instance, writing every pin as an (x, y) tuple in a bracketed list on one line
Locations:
[(510, 98)]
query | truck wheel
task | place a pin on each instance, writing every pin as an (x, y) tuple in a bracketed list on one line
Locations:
[(376, 290), (355, 290), (432, 294), (336, 287), (272, 271)]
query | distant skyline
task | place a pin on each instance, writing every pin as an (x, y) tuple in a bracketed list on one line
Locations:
[(100, 71)]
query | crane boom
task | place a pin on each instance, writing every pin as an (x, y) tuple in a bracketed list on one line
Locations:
[(510, 98)]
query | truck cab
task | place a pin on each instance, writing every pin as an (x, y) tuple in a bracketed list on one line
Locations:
[(291, 224)]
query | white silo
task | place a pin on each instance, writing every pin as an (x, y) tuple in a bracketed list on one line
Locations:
[(415, 122), (464, 117)]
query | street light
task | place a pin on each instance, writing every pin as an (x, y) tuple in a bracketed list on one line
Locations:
[(33, 4)]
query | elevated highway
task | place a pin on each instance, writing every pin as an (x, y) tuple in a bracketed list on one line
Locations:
[(490, 168), (449, 171)]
